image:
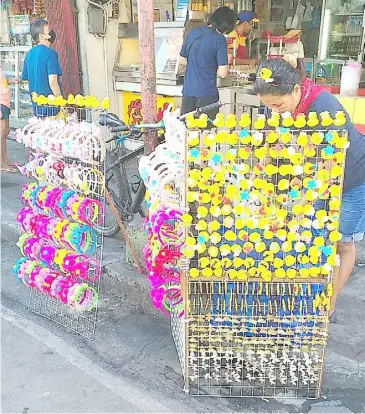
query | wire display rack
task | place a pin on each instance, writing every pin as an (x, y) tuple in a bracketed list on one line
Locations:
[(85, 121), (260, 249)]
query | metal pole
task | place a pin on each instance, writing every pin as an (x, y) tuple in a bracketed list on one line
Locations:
[(148, 69)]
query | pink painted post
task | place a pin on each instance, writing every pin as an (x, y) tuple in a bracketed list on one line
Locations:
[(148, 69)]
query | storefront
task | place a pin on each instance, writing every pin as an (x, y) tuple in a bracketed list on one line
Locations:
[(15, 43), (326, 29), (16, 18), (109, 60)]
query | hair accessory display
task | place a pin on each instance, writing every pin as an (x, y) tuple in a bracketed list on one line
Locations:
[(62, 263), (55, 171), (74, 236), (68, 138), (79, 296), (249, 249), (63, 203)]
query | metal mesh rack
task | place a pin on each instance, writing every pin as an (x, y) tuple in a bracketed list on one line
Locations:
[(81, 322), (257, 325)]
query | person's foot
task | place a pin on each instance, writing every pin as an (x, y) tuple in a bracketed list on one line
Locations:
[(8, 168), (333, 317)]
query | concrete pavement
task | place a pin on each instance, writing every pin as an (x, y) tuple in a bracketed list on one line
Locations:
[(132, 365)]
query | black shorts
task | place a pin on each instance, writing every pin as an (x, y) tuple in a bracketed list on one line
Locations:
[(190, 103), (5, 112)]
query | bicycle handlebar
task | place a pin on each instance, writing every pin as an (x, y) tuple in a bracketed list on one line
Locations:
[(137, 128), (122, 128), (202, 109)]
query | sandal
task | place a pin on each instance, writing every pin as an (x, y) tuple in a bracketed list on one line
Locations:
[(10, 169), (333, 317)]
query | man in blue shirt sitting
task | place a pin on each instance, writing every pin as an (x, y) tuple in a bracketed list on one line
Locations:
[(41, 66), (205, 54)]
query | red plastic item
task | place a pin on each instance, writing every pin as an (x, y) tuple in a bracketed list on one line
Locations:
[(335, 90), (274, 56), (276, 39)]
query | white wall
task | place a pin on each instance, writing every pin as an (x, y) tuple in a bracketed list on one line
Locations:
[(98, 54)]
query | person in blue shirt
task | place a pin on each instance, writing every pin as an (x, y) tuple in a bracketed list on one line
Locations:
[(41, 67), (205, 55), (287, 90)]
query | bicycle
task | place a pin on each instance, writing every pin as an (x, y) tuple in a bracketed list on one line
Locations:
[(128, 198)]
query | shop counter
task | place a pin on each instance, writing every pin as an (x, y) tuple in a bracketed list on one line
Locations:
[(235, 100)]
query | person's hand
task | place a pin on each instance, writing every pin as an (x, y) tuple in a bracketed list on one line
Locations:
[(14, 81), (252, 36)]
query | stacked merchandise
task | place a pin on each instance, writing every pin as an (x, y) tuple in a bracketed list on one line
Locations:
[(62, 252), (163, 174), (241, 74), (255, 265)]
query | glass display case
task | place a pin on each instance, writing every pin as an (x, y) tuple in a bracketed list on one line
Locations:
[(12, 61), (342, 31), (168, 42)]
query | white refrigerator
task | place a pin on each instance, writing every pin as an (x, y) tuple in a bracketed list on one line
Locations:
[(342, 30)]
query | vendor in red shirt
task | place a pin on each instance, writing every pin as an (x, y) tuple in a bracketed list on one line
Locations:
[(237, 40)]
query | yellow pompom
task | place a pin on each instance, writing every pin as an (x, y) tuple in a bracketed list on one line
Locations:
[(317, 138), (300, 121), (231, 121), (194, 273), (274, 120), (335, 236), (245, 120), (312, 119), (326, 119), (340, 119), (105, 103), (260, 122), (287, 119)]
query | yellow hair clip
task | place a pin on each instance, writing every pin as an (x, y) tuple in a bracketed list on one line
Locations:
[(302, 139), (260, 122), (231, 121)]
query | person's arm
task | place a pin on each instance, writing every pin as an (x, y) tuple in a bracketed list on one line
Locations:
[(222, 58), (223, 71), (25, 71), (54, 71), (183, 60), (54, 85), (13, 81), (183, 57)]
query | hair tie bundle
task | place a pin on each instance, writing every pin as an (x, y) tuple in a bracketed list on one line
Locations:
[(58, 173), (75, 265), (63, 203), (73, 236), (79, 296), (72, 139)]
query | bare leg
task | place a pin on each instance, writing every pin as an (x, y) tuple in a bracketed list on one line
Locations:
[(347, 254), (4, 132)]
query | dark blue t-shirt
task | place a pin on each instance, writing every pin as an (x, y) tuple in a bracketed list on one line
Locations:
[(355, 155), (205, 50), (40, 62)]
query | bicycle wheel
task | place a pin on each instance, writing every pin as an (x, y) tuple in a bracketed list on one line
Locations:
[(118, 190)]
